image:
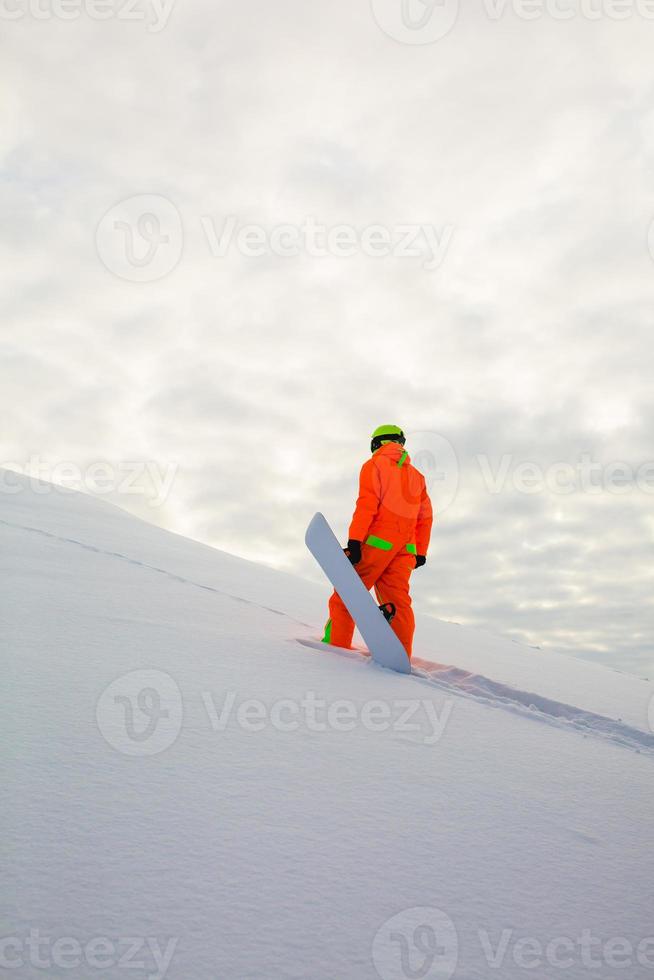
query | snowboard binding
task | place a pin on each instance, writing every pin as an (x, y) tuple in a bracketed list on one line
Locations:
[(388, 610)]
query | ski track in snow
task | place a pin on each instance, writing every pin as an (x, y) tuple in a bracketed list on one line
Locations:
[(476, 687), (453, 680), (154, 568), (557, 713)]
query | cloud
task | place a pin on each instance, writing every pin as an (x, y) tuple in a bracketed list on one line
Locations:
[(260, 379)]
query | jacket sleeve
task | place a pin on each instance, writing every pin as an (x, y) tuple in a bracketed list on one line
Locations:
[(367, 502), (424, 522)]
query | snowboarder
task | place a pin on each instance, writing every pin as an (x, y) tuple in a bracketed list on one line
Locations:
[(388, 537)]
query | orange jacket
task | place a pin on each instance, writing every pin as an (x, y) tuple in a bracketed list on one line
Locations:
[(393, 506)]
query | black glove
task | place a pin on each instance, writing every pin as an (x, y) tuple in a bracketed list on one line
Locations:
[(353, 551), (420, 560)]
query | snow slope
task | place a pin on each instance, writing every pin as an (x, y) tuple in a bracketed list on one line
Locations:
[(190, 792)]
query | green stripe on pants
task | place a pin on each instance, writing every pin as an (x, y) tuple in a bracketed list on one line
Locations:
[(376, 542)]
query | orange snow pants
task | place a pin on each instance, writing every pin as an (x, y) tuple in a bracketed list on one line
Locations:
[(388, 572)]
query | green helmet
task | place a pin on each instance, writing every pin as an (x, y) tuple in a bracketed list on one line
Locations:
[(386, 433)]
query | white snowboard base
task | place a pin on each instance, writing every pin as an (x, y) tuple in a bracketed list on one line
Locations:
[(384, 646)]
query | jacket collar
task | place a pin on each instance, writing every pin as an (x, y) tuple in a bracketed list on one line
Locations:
[(394, 451)]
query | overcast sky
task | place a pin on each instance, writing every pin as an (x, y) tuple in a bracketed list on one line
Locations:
[(490, 288)]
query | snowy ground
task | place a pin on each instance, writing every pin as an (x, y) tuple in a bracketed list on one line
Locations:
[(190, 792)]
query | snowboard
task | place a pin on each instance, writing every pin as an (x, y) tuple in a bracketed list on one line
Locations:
[(384, 646)]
